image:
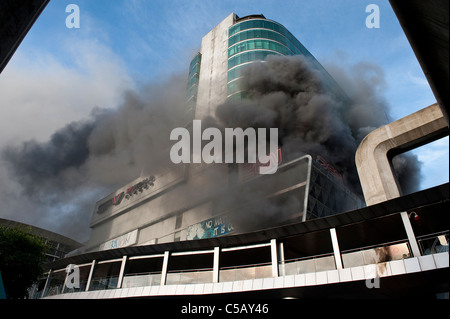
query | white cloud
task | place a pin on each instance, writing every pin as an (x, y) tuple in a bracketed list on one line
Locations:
[(40, 91), (417, 80), (435, 158), (434, 152)]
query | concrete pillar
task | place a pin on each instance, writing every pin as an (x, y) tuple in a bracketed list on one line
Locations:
[(47, 283), (336, 250), (274, 255), (216, 264), (65, 280), (410, 233), (122, 271), (91, 273), (281, 269), (164, 268)]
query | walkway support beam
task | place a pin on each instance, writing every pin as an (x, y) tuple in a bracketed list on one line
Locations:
[(375, 153), (374, 156)]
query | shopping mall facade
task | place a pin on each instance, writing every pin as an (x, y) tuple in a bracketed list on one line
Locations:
[(360, 253)]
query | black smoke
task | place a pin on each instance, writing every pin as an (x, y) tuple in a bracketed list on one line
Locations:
[(314, 114), (56, 183), (35, 164), (60, 180)]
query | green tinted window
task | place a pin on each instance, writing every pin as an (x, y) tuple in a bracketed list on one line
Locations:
[(235, 86), (195, 60), (235, 73), (192, 91), (238, 96), (235, 34), (194, 69), (259, 44), (193, 80), (252, 24), (264, 34), (249, 56)]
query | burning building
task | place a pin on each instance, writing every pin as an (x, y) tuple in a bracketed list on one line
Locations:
[(225, 230), (193, 201)]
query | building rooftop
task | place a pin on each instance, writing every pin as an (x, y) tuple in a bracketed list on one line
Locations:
[(59, 245)]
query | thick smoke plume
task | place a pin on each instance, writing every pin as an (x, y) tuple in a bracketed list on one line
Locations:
[(85, 160), (313, 115), (57, 183)]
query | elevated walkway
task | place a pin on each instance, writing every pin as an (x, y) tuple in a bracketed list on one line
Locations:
[(369, 277)]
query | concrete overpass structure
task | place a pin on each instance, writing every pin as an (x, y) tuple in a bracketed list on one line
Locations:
[(426, 25)]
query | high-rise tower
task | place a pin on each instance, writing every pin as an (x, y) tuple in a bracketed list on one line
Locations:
[(216, 71), (192, 201)]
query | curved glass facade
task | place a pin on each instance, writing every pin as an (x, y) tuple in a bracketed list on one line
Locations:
[(227, 52), (259, 44), (250, 56), (254, 40), (192, 86)]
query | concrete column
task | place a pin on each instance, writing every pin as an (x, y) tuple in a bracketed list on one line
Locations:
[(282, 270), (410, 233), (216, 264), (274, 255), (336, 250), (47, 283), (91, 273), (65, 280), (373, 156), (122, 271), (164, 268)]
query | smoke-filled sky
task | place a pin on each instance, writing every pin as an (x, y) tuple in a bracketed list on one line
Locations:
[(114, 87)]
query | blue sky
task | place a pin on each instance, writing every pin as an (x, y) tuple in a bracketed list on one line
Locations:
[(58, 74)]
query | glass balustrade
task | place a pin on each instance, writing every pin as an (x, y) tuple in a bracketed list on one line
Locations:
[(245, 272), (137, 274), (307, 265), (434, 243), (104, 283), (375, 254), (198, 276), (141, 280)]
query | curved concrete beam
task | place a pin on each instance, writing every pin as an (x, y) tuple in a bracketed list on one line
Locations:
[(374, 154)]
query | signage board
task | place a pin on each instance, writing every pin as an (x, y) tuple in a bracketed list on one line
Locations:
[(125, 240), (210, 228)]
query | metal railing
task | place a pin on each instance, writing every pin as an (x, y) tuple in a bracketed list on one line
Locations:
[(380, 253)]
